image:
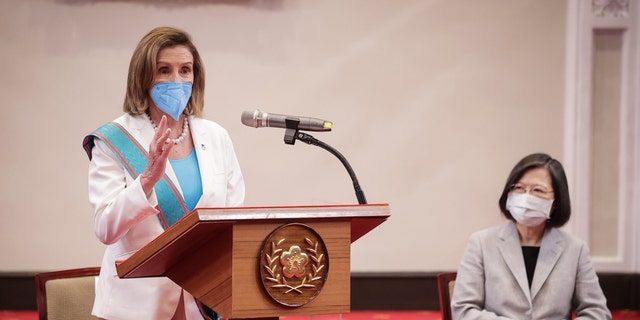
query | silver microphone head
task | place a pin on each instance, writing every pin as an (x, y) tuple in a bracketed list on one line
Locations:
[(252, 118)]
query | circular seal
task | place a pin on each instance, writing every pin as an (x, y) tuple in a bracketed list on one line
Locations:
[(293, 264)]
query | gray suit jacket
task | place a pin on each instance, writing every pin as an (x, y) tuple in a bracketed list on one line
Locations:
[(492, 280)]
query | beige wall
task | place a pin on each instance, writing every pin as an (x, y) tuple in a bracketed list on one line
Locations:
[(433, 102)]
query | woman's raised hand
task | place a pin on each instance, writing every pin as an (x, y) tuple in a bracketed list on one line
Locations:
[(158, 153)]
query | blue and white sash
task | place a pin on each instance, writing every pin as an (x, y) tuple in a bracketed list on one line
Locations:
[(134, 158)]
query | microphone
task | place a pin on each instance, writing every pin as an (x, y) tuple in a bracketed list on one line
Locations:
[(258, 119)]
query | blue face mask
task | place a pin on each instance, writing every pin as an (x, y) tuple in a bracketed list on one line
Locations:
[(171, 97)]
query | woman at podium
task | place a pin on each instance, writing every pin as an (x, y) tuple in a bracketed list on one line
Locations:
[(150, 167)]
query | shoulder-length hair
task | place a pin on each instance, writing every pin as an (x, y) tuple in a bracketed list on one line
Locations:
[(143, 65), (561, 209)]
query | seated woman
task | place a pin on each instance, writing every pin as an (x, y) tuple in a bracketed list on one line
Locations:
[(529, 268)]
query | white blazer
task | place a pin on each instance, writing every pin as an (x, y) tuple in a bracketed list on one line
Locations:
[(125, 219), (492, 280)]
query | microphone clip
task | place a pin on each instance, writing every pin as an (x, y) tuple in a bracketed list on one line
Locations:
[(291, 133)]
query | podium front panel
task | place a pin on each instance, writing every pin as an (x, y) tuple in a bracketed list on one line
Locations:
[(247, 297)]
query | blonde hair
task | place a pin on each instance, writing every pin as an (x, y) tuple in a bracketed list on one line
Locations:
[(143, 65)]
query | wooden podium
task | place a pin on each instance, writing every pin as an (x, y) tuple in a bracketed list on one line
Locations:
[(229, 258)]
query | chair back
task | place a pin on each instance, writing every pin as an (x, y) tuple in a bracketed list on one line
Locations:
[(446, 282), (66, 294)]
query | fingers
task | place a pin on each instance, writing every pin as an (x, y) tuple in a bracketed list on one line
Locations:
[(163, 141), (162, 133), (163, 124), (159, 151), (160, 138), (166, 147)]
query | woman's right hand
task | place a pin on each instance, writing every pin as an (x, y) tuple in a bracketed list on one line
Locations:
[(158, 153)]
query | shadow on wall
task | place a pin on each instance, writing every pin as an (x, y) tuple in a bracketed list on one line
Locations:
[(256, 4)]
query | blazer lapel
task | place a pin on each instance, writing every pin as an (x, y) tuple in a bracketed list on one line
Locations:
[(512, 254), (550, 250), (204, 152)]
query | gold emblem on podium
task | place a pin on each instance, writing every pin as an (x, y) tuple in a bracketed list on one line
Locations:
[(293, 264)]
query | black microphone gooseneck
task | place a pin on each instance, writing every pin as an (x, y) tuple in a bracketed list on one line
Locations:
[(292, 134)]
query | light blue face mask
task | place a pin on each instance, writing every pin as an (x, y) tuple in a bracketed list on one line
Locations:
[(171, 97)]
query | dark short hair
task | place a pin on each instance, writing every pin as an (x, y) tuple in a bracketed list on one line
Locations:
[(561, 209), (143, 64)]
